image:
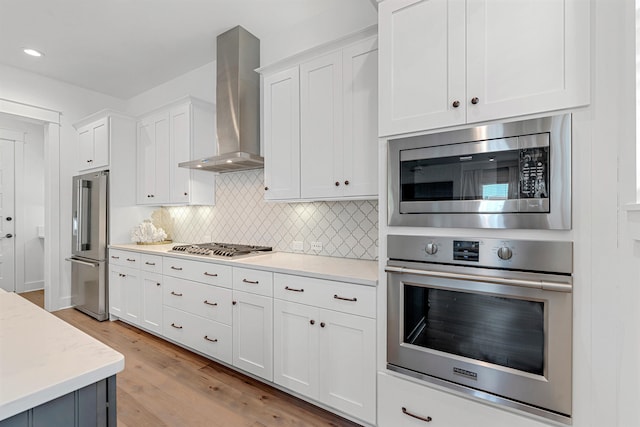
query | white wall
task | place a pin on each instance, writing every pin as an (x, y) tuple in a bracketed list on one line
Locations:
[(74, 103)]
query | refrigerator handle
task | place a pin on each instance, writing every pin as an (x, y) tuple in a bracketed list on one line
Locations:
[(78, 214), (87, 263)]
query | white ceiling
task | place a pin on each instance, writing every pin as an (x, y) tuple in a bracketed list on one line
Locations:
[(125, 47)]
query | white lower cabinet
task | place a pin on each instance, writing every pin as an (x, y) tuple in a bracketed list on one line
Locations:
[(131, 293), (253, 333), (151, 316), (402, 403), (325, 354)]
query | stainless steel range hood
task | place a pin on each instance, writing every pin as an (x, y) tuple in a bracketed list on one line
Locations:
[(238, 105)]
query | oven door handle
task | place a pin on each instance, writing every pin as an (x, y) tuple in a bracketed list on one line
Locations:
[(537, 284)]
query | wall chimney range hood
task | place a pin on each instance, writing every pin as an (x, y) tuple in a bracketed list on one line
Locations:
[(237, 105)]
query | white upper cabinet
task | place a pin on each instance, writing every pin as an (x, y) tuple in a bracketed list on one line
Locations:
[(281, 99), (450, 62), (173, 134), (320, 122), (94, 145)]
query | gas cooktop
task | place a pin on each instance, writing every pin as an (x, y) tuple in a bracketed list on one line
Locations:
[(227, 250)]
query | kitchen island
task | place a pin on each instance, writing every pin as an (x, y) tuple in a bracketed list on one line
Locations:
[(50, 372)]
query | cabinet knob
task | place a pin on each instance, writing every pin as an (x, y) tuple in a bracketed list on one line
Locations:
[(234, 302), (322, 325), (475, 100), (346, 182), (313, 322), (89, 161), (456, 104), (337, 184), (266, 188), (9, 218), (186, 194), (157, 284)]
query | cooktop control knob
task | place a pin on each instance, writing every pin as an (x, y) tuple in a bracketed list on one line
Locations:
[(431, 248), (505, 253)]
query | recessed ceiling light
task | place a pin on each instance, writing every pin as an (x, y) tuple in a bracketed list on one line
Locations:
[(32, 52)]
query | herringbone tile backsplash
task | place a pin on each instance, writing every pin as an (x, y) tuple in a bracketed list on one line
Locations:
[(345, 229)]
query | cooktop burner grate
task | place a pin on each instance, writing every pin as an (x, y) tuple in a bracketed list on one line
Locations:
[(221, 249)]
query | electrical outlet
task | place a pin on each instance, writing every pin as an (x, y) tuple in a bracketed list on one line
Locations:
[(297, 245), (316, 246)]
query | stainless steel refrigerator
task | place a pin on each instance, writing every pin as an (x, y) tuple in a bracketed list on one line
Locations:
[(89, 290)]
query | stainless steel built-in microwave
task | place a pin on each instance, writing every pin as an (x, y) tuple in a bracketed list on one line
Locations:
[(508, 175)]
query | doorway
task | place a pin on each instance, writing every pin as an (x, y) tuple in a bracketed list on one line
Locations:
[(22, 203)]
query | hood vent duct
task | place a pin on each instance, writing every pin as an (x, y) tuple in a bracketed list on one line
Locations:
[(237, 105)]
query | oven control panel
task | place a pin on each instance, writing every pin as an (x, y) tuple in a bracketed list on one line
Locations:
[(529, 255)]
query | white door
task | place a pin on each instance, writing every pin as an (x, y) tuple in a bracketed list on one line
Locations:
[(253, 334), (281, 109), (7, 220), (321, 126), (422, 64)]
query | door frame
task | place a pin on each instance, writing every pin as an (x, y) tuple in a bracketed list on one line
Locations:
[(52, 250), (17, 139)]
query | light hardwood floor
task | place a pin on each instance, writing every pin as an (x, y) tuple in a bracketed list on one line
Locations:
[(166, 385)]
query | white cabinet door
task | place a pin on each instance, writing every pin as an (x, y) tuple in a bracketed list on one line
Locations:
[(321, 138), (151, 316), (348, 363), (180, 126), (295, 352), (281, 133), (153, 160), (360, 147), (253, 334), (94, 145), (131, 294), (115, 292), (525, 57), (422, 64)]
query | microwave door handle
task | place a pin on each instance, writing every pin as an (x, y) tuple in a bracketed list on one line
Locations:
[(537, 284)]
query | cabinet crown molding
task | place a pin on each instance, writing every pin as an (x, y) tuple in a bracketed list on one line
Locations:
[(99, 115), (315, 51), (187, 99)]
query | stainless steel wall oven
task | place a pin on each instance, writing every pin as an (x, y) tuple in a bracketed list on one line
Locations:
[(488, 317), (507, 175)]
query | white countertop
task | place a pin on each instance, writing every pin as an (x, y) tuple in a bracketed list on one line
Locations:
[(363, 272), (42, 357)]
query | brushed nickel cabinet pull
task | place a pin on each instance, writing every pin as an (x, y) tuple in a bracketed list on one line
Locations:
[(176, 268), (250, 281), (293, 289), (176, 326), (150, 263), (131, 260), (210, 303), (345, 299), (206, 337), (417, 417), (211, 274), (176, 294)]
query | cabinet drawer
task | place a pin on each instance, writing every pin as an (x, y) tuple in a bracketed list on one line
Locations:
[(339, 296), (208, 301), (151, 263), (124, 258), (205, 272), (206, 336), (443, 408), (253, 281)]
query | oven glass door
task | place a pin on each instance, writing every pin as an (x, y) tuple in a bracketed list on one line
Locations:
[(505, 175), (500, 330)]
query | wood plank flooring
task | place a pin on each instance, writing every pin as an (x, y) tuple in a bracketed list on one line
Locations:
[(166, 385)]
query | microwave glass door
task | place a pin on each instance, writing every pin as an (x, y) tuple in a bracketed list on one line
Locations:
[(482, 176), (500, 330)]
